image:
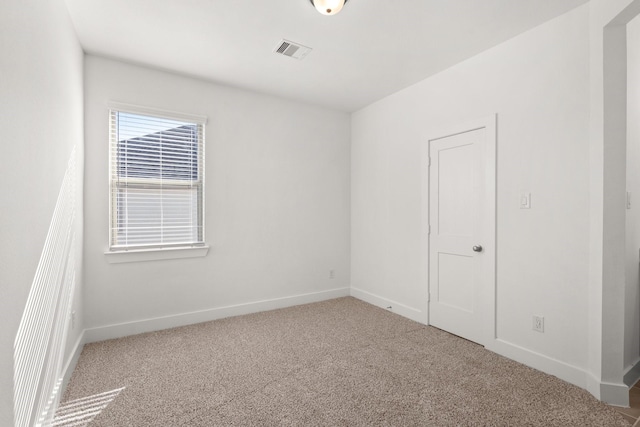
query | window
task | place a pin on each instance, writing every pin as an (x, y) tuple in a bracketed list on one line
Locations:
[(156, 180)]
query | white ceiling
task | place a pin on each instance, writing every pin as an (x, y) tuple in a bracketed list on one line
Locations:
[(371, 49)]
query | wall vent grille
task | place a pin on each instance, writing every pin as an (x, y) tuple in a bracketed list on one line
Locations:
[(292, 49)]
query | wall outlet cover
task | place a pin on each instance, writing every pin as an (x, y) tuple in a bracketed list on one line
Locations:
[(538, 323)]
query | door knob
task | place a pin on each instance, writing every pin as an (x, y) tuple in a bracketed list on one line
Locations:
[(477, 248)]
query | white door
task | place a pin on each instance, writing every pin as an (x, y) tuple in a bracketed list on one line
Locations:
[(461, 237)]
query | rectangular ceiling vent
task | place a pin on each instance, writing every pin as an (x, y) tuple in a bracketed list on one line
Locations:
[(291, 49)]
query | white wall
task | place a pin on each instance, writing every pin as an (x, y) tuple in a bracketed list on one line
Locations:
[(607, 182), (632, 296), (538, 84), (277, 201), (41, 122)]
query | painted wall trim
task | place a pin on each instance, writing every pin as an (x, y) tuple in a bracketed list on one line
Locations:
[(396, 307), (593, 385), (614, 394), (158, 112), (155, 324), (569, 373), (632, 374), (72, 361), (117, 257)]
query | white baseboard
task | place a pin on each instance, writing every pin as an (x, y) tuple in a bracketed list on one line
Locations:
[(396, 307), (155, 324), (632, 374), (72, 361), (593, 385), (614, 394), (564, 371)]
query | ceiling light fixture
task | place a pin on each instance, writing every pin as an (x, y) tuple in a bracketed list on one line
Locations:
[(328, 7)]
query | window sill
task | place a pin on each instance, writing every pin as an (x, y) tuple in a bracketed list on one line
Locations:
[(140, 255)]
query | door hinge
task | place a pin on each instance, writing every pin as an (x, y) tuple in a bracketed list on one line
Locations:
[(429, 229), (428, 296), (429, 161)]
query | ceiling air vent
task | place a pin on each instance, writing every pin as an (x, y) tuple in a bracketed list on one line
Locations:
[(291, 49)]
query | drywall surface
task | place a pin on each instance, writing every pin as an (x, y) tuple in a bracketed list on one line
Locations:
[(277, 199), (538, 84), (41, 121), (632, 296), (607, 184)]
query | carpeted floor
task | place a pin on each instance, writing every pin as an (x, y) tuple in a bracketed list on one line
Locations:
[(341, 362)]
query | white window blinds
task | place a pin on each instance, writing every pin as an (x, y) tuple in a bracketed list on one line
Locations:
[(157, 177)]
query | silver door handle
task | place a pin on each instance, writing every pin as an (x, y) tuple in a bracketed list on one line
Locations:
[(477, 248)]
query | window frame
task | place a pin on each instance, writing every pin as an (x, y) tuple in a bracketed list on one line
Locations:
[(145, 252)]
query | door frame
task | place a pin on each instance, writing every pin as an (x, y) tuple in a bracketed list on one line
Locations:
[(488, 301)]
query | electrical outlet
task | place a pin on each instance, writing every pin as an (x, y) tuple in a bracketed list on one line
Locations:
[(538, 323), (332, 274)]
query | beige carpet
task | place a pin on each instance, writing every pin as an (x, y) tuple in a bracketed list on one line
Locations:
[(341, 362)]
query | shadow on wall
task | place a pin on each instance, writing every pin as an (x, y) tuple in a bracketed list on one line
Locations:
[(38, 350)]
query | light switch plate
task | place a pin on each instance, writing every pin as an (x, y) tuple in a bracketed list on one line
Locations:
[(525, 201)]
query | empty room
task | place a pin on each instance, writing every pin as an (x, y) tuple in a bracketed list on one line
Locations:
[(248, 212)]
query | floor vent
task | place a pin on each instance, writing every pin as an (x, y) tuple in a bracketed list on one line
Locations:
[(291, 49)]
